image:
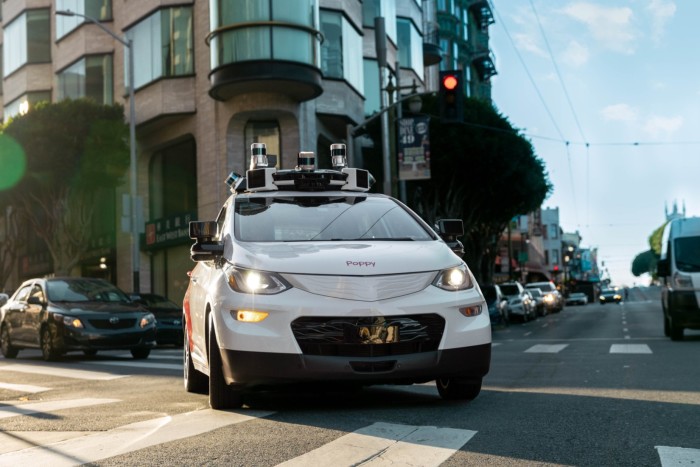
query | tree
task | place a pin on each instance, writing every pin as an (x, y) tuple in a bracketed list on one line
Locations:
[(73, 149), (645, 262), (484, 172)]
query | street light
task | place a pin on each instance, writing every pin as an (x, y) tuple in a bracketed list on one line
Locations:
[(128, 44)]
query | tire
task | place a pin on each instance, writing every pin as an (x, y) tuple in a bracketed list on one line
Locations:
[(221, 395), (676, 332), (8, 350), (48, 351), (194, 380), (458, 388), (90, 352), (140, 353)]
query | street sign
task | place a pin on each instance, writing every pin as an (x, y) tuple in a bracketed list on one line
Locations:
[(414, 148)]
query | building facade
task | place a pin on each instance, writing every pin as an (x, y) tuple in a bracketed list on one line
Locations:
[(210, 78)]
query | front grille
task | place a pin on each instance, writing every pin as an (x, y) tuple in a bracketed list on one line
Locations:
[(123, 323), (370, 336)]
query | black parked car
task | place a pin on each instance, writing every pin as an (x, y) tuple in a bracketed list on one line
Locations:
[(168, 317), (63, 314)]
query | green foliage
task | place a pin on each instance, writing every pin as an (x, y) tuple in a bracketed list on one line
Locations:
[(644, 262), (74, 149), (655, 239)]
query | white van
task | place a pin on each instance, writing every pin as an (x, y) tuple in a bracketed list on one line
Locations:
[(679, 271)]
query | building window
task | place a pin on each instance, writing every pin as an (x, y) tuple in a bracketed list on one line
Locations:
[(88, 77), (410, 46), (555, 257), (386, 8), (163, 46), (553, 231), (30, 38), (24, 103), (264, 30), (173, 181), (341, 52), (372, 98), (100, 10), (267, 132)]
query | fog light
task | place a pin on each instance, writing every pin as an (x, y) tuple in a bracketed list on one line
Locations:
[(248, 316), (469, 311)]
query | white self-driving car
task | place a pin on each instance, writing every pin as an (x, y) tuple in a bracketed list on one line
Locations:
[(305, 277)]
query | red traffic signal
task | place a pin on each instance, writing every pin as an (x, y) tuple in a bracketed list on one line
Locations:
[(451, 96)]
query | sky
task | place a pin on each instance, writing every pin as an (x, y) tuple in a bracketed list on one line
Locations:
[(608, 92)]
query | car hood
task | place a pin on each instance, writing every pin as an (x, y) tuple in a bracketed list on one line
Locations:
[(351, 258), (80, 308)]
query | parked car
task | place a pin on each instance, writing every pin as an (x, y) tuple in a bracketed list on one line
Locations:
[(59, 315), (497, 303), (577, 298), (538, 297), (553, 299), (307, 277), (610, 295), (168, 317), (520, 302)]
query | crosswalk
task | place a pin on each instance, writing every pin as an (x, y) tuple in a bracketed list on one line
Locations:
[(379, 443)]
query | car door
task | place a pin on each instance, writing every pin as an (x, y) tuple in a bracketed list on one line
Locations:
[(14, 315), (33, 315)]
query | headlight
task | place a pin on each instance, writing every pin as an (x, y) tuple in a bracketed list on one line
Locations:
[(69, 321), (147, 320), (255, 282), (682, 281), (453, 279), (549, 298)]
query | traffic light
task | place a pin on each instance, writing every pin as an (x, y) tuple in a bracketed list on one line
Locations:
[(451, 96)]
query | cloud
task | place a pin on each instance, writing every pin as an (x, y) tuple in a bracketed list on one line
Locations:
[(661, 12), (576, 54), (657, 125), (620, 113), (528, 43), (611, 26)]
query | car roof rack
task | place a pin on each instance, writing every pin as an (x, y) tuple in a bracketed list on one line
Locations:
[(304, 177)]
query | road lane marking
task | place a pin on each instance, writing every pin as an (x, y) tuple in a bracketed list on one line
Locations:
[(155, 356), (630, 348), (672, 456), (23, 388), (543, 348), (60, 371), (386, 444), (527, 334), (140, 364), (128, 438), (11, 409)]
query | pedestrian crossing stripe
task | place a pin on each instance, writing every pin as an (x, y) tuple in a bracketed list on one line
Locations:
[(630, 348), (23, 388), (128, 438), (542, 348), (60, 371), (675, 456), (141, 364), (383, 444), (11, 409)]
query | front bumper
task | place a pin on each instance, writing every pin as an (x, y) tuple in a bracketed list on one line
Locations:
[(86, 340), (261, 368)]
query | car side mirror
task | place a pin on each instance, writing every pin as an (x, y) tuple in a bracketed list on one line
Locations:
[(663, 268), (449, 230), (35, 301), (205, 247)]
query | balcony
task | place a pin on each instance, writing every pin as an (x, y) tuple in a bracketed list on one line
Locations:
[(485, 66), (432, 53), (265, 56), (482, 13)]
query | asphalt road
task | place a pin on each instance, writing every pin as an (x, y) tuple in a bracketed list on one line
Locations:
[(592, 385)]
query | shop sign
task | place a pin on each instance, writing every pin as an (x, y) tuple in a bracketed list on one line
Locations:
[(168, 231)]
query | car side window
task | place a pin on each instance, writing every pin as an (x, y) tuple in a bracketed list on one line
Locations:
[(23, 293), (38, 293)]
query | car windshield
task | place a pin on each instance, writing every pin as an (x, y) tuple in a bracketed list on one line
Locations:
[(543, 287), (687, 252), (536, 292), (156, 301), (510, 289), (324, 218), (83, 290)]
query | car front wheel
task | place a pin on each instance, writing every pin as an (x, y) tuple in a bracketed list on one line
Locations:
[(458, 388), (8, 350), (221, 395), (141, 353), (48, 350)]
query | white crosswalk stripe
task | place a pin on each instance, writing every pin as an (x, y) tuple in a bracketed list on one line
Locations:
[(61, 371), (542, 348), (125, 439), (12, 409), (142, 364), (387, 444), (678, 457), (630, 348), (23, 388)]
